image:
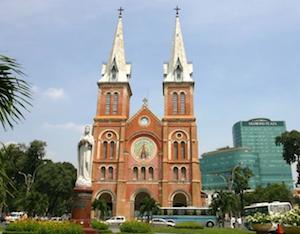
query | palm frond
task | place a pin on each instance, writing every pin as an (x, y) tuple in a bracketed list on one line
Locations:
[(15, 93)]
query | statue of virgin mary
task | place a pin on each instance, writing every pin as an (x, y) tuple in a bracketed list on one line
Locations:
[(85, 154)]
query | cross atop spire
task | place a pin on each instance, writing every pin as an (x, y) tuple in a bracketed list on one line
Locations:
[(116, 69), (177, 9), (120, 12), (178, 69), (145, 102)]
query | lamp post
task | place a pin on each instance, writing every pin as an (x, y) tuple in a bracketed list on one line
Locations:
[(230, 179), (29, 179)]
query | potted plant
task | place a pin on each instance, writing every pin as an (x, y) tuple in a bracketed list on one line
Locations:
[(261, 223), (291, 221)]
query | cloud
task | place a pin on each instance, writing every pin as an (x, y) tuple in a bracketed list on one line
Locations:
[(65, 126), (55, 93)]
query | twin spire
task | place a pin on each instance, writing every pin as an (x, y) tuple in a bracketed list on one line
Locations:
[(117, 70)]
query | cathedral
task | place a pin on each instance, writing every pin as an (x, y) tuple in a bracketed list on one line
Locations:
[(142, 155)]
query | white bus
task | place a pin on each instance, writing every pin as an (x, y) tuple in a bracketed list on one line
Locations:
[(267, 208)]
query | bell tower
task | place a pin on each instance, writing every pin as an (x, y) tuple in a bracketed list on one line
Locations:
[(180, 150), (113, 104), (114, 89)]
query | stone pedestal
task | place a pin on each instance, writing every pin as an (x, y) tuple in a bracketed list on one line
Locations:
[(81, 209)]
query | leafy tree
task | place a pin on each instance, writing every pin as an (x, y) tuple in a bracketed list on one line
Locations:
[(35, 154), (36, 203), (15, 93), (270, 193), (52, 183), (100, 205), (57, 181), (291, 148), (224, 203), (149, 206), (6, 184), (242, 176)]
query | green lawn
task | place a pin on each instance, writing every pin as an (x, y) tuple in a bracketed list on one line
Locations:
[(201, 231)]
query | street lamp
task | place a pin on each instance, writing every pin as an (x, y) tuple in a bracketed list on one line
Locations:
[(230, 179), (29, 179), (226, 180)]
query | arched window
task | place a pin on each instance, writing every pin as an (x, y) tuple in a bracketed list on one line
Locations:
[(143, 173), (107, 103), (151, 173), (182, 150), (135, 173), (183, 173), (103, 172), (105, 150), (175, 102), (115, 103), (175, 149), (110, 173), (112, 150), (175, 173), (182, 103)]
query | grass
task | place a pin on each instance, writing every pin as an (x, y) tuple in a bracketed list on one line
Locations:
[(201, 231), (198, 231)]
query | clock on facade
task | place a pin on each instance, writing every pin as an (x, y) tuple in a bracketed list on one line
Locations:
[(143, 148)]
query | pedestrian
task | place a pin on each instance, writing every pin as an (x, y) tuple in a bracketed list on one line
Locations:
[(239, 222), (232, 222)]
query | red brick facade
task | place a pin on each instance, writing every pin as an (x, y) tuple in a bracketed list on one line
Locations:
[(155, 157), (142, 155)]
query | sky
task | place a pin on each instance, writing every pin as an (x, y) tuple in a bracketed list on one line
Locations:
[(246, 58)]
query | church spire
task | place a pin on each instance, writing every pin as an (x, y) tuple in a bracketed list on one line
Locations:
[(116, 69), (178, 69)]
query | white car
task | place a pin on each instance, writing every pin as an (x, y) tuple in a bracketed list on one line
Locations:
[(14, 216), (116, 220), (162, 222)]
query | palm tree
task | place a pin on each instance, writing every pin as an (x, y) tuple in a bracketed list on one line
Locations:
[(224, 203), (6, 183), (15, 93), (101, 206), (148, 207)]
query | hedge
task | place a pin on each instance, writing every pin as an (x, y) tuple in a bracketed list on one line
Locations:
[(135, 227), (100, 226), (49, 227)]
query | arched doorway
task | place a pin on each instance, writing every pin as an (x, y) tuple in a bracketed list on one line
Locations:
[(107, 198), (179, 200), (138, 200)]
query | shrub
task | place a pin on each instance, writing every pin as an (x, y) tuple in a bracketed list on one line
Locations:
[(99, 225), (23, 226), (259, 218), (189, 225), (135, 227), (35, 227)]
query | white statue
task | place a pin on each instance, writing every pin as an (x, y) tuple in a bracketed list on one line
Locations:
[(85, 154)]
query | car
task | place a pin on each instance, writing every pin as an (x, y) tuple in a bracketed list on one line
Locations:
[(116, 220), (55, 219), (14, 216), (162, 222)]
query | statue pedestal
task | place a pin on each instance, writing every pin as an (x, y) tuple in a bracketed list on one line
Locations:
[(81, 209)]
